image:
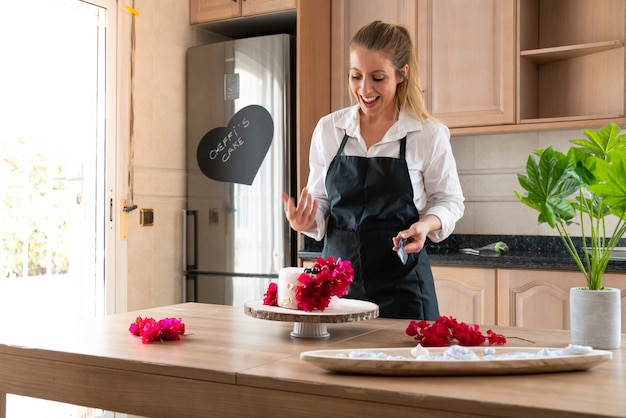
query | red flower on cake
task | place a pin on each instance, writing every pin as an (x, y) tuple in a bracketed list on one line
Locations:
[(325, 279), (271, 295), (446, 330), (316, 285)]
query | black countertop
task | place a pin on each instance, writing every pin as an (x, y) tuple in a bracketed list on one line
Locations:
[(525, 251)]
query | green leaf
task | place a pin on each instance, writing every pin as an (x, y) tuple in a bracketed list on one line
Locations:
[(548, 184), (611, 185), (603, 142)]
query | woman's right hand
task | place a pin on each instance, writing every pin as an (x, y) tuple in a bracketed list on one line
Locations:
[(302, 216)]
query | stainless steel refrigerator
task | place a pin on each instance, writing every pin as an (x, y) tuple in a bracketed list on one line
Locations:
[(240, 157)]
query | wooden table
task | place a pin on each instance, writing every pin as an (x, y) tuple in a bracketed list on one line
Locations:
[(230, 364)]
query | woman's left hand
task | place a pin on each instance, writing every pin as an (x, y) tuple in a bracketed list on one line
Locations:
[(417, 233)]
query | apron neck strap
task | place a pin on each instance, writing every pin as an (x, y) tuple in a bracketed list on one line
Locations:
[(402, 146), (343, 144)]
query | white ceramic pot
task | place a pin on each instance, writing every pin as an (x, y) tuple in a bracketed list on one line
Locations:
[(595, 317)]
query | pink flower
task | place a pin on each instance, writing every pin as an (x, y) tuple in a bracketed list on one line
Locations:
[(135, 327), (271, 295), (149, 329), (446, 330)]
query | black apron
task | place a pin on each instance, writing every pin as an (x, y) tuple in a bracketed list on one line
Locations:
[(371, 200)]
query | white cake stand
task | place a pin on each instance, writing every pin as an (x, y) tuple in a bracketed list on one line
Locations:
[(313, 324)]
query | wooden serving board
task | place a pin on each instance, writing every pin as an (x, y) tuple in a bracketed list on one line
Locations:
[(330, 360)]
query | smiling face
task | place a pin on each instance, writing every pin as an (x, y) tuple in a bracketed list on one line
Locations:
[(373, 82)]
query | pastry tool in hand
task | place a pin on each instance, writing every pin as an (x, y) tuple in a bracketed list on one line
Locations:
[(401, 251)]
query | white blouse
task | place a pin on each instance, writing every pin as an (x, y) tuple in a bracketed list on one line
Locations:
[(432, 168)]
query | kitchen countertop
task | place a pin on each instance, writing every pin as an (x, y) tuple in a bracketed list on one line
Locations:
[(232, 365), (529, 252)]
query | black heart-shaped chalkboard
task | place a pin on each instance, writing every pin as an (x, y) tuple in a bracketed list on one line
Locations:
[(234, 154)]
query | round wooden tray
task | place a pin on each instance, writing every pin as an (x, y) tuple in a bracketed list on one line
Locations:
[(313, 324)]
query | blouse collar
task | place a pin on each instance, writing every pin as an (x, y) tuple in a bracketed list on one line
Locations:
[(406, 123)]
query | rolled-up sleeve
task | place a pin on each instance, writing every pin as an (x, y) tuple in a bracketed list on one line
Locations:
[(435, 181), (318, 164)]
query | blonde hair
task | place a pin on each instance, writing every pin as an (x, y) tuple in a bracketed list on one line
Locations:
[(395, 42)]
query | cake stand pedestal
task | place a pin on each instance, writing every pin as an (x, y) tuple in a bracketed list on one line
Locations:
[(313, 324)]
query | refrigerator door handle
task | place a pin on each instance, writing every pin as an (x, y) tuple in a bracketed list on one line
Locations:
[(184, 244), (193, 265), (185, 263)]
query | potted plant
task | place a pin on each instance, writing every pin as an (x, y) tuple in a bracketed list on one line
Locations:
[(584, 186)]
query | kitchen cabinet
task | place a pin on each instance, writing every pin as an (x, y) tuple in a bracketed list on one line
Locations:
[(540, 298), (509, 66), (571, 60), (466, 293), (347, 17), (468, 75), (503, 65), (467, 60), (203, 11)]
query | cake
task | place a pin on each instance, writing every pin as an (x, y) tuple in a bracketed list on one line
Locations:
[(315, 288), (287, 281)]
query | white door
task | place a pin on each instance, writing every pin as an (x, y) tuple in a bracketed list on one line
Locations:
[(55, 100)]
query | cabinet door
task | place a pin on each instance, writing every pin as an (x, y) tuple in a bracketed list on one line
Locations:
[(347, 17), (466, 293), (540, 298), (256, 7), (202, 11), (469, 56)]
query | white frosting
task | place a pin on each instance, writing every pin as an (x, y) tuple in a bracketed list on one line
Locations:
[(287, 281), (334, 303)]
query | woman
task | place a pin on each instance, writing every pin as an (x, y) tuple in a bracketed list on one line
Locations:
[(382, 171)]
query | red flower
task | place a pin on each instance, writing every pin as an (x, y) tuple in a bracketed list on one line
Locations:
[(271, 295), (149, 329), (317, 285), (494, 338), (137, 326), (326, 279), (314, 292), (446, 330), (171, 329)]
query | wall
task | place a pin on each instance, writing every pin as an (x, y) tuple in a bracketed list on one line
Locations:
[(154, 266), (488, 167)]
